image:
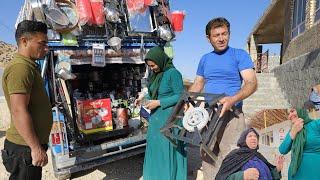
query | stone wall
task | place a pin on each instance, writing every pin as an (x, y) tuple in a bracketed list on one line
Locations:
[(297, 75), (288, 13), (273, 62), (305, 42)]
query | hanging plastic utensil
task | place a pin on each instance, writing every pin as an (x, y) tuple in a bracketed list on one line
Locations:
[(177, 18), (168, 49), (135, 6), (84, 11), (97, 11), (150, 2), (69, 39)]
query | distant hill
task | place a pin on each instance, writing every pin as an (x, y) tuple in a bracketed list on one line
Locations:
[(6, 52)]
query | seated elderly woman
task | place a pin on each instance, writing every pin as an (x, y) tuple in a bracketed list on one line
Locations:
[(247, 163)]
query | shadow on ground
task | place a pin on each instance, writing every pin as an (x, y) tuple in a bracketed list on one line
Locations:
[(132, 168), (125, 169)]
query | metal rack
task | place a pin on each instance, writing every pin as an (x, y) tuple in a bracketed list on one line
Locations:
[(203, 127)]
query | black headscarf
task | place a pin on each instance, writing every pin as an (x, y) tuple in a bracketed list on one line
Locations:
[(234, 161)]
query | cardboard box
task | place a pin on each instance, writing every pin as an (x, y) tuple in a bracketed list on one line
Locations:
[(94, 115)]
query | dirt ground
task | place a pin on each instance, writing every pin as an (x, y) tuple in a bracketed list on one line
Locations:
[(126, 169)]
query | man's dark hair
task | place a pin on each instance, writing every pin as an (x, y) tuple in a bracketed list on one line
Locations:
[(28, 28), (217, 22)]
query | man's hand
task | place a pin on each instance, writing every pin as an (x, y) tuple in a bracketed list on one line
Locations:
[(227, 102), (251, 174), (153, 104), (39, 156), (279, 162)]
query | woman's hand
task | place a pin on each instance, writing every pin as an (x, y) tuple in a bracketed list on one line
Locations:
[(153, 104), (279, 162), (137, 102), (297, 125), (251, 174)]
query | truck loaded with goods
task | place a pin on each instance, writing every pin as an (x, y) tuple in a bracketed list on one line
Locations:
[(94, 72)]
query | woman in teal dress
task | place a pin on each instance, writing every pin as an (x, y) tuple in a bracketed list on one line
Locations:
[(163, 160), (304, 142)]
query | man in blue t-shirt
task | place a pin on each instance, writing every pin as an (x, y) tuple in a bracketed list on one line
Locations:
[(223, 71)]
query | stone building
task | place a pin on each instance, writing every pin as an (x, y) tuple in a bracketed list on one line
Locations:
[(295, 24)]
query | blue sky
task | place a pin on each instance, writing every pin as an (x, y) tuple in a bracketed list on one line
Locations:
[(191, 43)]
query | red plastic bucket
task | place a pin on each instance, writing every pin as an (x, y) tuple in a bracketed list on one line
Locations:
[(148, 2), (177, 20), (135, 5), (98, 12)]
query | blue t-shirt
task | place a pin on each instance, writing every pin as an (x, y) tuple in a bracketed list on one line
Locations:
[(221, 71)]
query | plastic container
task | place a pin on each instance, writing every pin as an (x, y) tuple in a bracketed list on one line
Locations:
[(114, 43), (84, 11), (122, 115), (98, 12), (135, 6), (150, 2), (177, 18)]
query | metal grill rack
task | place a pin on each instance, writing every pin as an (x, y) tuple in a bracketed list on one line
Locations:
[(195, 121)]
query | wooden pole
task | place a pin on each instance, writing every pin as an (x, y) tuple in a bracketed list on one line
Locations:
[(265, 119)]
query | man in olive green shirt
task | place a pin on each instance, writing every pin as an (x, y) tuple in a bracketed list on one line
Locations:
[(24, 152)]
